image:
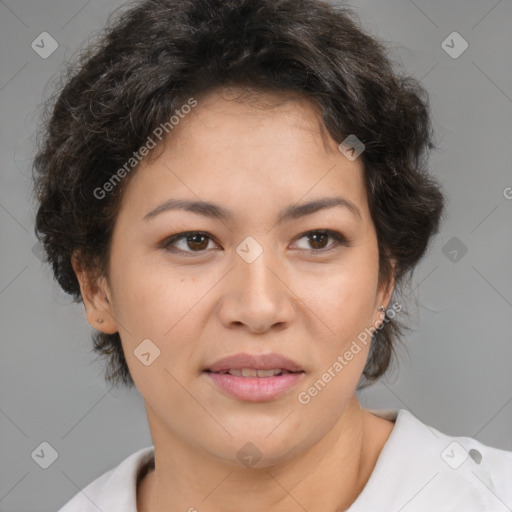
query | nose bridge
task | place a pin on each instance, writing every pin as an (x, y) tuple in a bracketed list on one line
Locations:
[(257, 295), (254, 271)]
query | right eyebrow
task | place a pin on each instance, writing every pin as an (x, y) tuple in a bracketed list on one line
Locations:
[(211, 210)]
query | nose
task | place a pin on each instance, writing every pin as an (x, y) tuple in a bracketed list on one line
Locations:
[(257, 296)]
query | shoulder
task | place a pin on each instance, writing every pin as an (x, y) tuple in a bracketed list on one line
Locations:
[(113, 490), (461, 471), (421, 469), (482, 471)]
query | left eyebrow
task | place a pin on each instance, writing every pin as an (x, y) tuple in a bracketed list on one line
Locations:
[(211, 210)]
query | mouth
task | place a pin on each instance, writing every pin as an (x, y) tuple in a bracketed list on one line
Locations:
[(254, 372), (255, 378)]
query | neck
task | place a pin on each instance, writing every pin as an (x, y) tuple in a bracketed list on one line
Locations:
[(328, 475)]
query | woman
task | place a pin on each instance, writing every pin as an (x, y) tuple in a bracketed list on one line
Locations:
[(237, 191)]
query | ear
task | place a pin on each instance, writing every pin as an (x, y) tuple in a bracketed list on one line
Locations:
[(97, 298), (384, 296)]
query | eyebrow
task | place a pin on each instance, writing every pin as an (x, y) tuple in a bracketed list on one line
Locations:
[(211, 210)]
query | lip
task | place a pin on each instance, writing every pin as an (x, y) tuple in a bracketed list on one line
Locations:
[(266, 361), (255, 389)]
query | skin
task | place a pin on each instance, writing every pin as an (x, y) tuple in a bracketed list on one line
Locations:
[(308, 306)]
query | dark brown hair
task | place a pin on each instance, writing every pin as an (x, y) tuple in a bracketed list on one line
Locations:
[(156, 54)]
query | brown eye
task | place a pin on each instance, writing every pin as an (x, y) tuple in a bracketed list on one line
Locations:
[(197, 242), (193, 241), (318, 239)]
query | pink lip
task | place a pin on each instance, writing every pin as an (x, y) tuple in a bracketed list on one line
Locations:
[(258, 361), (255, 389)]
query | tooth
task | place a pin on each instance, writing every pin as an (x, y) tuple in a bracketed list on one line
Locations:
[(267, 373), (252, 372)]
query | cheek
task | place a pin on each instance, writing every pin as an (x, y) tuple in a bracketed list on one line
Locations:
[(342, 307), (344, 296), (158, 313), (150, 301), (164, 305)]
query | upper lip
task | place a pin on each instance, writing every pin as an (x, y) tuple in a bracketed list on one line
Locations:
[(267, 361)]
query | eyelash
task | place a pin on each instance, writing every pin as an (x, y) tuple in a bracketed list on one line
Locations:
[(340, 240)]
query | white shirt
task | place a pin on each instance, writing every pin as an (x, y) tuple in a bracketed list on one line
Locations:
[(418, 470)]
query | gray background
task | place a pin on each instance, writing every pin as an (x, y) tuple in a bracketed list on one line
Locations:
[(457, 376)]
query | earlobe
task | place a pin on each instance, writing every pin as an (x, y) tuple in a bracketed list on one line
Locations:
[(390, 286), (387, 295), (95, 296), (384, 296)]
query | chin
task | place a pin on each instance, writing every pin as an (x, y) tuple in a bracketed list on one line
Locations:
[(254, 449)]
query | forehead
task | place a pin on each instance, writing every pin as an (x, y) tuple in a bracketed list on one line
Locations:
[(255, 149), (254, 114)]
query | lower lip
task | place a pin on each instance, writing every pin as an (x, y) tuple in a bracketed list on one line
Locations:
[(255, 389)]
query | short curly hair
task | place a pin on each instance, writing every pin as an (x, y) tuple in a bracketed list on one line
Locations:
[(155, 54)]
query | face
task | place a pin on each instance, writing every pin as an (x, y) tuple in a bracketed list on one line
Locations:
[(257, 281)]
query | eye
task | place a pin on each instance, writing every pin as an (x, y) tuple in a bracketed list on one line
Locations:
[(318, 238), (196, 240)]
